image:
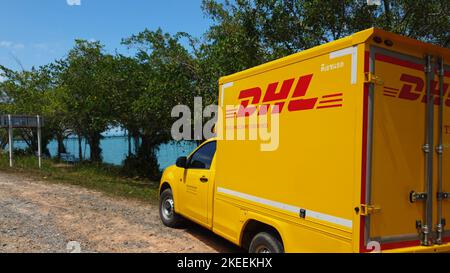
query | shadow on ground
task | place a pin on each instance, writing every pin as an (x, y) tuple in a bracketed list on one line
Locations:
[(212, 240)]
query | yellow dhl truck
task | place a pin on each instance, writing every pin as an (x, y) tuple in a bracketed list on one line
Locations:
[(363, 156)]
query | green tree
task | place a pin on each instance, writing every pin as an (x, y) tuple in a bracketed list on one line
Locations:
[(246, 33), (85, 78), (168, 70), (29, 93), (128, 81)]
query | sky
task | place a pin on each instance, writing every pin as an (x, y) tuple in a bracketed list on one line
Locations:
[(36, 32)]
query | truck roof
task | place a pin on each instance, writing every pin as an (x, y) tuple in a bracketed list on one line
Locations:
[(354, 39)]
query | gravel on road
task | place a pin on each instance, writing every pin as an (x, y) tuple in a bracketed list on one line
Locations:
[(38, 216)]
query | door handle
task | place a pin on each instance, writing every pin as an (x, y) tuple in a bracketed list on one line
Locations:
[(203, 179)]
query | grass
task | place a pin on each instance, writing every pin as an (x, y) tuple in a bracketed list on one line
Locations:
[(102, 177)]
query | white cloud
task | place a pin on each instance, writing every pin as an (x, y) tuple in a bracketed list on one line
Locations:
[(9, 44), (2, 78), (5, 44), (73, 2)]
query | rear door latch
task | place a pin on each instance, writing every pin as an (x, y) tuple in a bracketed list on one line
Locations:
[(372, 78), (369, 209), (417, 196)]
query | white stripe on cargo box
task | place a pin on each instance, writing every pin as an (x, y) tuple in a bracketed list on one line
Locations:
[(309, 213), (353, 51), (222, 96)]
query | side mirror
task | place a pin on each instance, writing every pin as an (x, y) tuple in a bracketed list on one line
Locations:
[(181, 162)]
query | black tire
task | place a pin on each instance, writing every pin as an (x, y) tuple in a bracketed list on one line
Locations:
[(167, 210), (266, 242)]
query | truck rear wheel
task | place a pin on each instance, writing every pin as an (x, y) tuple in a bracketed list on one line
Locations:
[(265, 242), (167, 210)]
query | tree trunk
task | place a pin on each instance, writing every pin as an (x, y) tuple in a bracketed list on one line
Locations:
[(61, 147), (28, 138), (129, 143), (147, 152), (136, 143), (94, 144), (80, 149)]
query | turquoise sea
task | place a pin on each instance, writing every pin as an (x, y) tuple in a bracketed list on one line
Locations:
[(115, 149)]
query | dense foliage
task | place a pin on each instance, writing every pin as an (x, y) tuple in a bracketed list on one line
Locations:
[(91, 90)]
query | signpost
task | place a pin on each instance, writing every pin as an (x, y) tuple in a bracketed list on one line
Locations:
[(22, 122)]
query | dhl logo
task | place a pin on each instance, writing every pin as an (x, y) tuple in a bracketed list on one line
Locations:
[(251, 102), (413, 89)]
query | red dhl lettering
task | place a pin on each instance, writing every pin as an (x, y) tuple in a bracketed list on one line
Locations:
[(413, 89), (251, 102)]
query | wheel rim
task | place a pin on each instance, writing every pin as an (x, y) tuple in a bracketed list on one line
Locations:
[(167, 208), (263, 249)]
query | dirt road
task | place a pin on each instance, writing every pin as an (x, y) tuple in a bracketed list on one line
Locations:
[(37, 216)]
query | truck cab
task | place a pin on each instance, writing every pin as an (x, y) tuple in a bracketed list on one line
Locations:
[(190, 182)]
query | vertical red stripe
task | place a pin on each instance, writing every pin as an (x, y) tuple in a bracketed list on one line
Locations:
[(362, 246), (366, 61)]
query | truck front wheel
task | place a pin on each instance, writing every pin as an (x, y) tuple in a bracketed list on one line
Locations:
[(265, 242), (167, 210)]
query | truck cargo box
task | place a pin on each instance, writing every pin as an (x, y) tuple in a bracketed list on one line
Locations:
[(363, 154)]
